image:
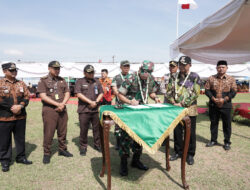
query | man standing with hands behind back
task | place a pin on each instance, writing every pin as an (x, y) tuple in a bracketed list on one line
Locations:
[(54, 93), (220, 89)]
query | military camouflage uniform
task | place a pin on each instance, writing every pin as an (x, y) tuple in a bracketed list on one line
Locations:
[(130, 88), (117, 81)]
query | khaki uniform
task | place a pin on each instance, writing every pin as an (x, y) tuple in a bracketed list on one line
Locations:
[(90, 88), (55, 88)]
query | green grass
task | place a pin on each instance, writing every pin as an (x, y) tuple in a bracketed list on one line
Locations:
[(213, 169)]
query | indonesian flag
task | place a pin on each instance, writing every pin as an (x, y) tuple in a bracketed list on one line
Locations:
[(188, 4)]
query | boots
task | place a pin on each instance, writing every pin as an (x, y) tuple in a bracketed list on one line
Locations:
[(136, 163), (117, 146), (124, 166)]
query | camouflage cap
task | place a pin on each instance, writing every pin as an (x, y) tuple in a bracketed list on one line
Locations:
[(88, 69), (185, 60), (54, 64), (123, 63), (9, 66), (147, 65), (173, 63)]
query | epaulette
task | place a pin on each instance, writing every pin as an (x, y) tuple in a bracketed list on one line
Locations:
[(45, 77), (60, 78)]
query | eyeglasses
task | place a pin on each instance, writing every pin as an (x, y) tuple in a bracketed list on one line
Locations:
[(13, 70)]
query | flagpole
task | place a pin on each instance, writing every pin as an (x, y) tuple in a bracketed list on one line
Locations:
[(177, 21)]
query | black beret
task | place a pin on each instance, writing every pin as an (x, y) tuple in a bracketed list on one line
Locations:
[(222, 62), (9, 66), (88, 69), (54, 64)]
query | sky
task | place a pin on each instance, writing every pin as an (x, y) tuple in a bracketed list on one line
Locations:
[(93, 30)]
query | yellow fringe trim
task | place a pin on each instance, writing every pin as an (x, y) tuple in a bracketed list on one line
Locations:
[(136, 138)]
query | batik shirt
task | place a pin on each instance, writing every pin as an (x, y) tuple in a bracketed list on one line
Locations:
[(107, 91), (12, 93), (131, 87), (188, 94), (224, 87)]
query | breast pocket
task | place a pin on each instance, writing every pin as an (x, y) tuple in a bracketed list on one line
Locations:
[(4, 91), (84, 89)]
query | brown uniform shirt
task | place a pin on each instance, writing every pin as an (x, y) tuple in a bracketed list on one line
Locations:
[(12, 93), (89, 88), (54, 87)]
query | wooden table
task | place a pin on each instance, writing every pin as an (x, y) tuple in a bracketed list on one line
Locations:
[(104, 132)]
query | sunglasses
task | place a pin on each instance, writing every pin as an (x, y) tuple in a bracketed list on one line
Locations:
[(13, 70)]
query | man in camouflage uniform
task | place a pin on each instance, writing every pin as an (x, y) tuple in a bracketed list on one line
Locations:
[(14, 97), (116, 84), (173, 68), (134, 91), (184, 92)]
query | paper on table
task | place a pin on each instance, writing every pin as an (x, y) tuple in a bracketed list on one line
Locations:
[(158, 105), (138, 107)]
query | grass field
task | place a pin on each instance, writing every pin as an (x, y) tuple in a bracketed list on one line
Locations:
[(214, 168)]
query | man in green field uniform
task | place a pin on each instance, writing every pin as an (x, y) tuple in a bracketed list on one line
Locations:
[(134, 91), (116, 84)]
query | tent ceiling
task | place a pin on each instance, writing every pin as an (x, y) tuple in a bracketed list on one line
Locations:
[(224, 35)]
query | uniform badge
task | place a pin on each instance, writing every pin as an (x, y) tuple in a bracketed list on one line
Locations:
[(56, 96), (51, 90), (6, 91), (21, 89)]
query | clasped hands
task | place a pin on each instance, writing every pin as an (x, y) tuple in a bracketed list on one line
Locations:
[(60, 107), (16, 109), (218, 101)]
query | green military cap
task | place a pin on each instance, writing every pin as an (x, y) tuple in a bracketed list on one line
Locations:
[(148, 65), (173, 63), (9, 66), (55, 64), (185, 60), (88, 69), (123, 63)]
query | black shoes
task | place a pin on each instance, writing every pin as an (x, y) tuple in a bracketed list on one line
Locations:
[(46, 159), (5, 167), (136, 163), (227, 146), (190, 160), (65, 153), (83, 152), (139, 165), (23, 161), (124, 167), (175, 157), (211, 143), (98, 148)]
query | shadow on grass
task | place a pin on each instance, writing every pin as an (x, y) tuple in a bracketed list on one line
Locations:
[(29, 148), (134, 175)]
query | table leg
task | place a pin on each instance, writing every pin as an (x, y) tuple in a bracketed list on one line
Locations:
[(167, 155), (187, 122), (103, 151)]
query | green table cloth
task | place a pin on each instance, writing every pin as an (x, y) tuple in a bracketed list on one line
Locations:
[(147, 124)]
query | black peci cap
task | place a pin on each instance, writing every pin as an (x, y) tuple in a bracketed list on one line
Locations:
[(222, 62)]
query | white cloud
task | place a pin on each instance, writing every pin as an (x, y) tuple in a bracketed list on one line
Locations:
[(13, 52)]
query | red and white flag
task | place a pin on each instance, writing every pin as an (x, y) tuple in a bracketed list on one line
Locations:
[(188, 4)]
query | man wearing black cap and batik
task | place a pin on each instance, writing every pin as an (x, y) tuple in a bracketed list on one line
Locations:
[(89, 92), (184, 92), (14, 97), (220, 89), (54, 93), (173, 68)]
